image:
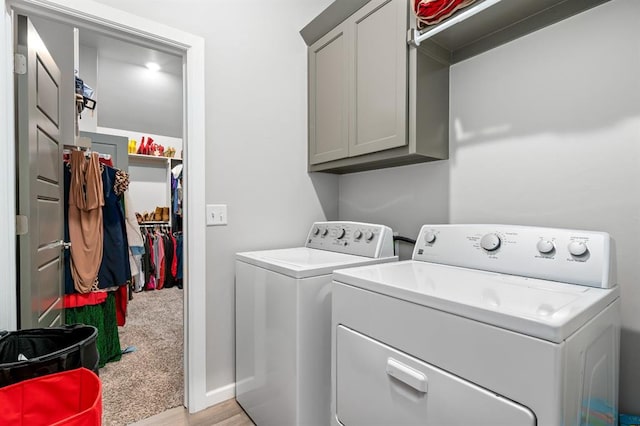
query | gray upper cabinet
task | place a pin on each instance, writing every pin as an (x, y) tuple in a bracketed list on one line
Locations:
[(378, 78), (360, 110), (328, 98), (379, 88)]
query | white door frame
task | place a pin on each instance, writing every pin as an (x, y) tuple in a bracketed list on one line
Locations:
[(114, 21)]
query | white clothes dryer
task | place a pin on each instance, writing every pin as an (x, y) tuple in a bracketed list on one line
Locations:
[(486, 325), (283, 320)]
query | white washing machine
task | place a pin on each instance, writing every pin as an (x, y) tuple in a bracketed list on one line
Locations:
[(486, 325), (283, 320)]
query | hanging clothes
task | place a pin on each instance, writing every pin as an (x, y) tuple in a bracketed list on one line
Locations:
[(179, 271), (115, 269), (146, 262), (161, 261), (86, 198), (103, 317), (176, 197), (169, 255), (136, 243), (174, 263), (150, 274), (103, 303)]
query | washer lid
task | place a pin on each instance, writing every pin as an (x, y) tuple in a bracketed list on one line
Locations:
[(303, 262), (545, 309)]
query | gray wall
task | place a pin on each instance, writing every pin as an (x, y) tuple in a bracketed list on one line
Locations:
[(544, 131), (133, 98), (59, 41), (403, 198), (256, 140), (88, 67)]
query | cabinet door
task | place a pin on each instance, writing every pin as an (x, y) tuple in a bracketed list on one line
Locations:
[(379, 87), (376, 384), (328, 98)]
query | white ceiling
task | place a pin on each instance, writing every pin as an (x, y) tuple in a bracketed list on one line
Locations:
[(128, 52)]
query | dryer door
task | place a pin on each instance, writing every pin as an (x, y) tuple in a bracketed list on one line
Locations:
[(378, 385)]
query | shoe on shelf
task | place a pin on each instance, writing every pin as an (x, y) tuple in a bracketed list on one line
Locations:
[(165, 214), (158, 214)]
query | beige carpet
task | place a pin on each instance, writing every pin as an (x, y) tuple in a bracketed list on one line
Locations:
[(149, 380)]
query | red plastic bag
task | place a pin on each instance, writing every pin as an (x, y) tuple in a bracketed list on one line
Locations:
[(69, 398)]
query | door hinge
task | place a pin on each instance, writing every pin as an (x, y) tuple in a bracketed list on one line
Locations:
[(22, 224), (19, 64)]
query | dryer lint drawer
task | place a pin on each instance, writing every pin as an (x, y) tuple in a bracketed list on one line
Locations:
[(378, 385)]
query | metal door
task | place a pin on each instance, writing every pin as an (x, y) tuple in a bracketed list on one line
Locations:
[(39, 198)]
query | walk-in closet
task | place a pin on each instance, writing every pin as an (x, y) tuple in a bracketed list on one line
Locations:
[(123, 212)]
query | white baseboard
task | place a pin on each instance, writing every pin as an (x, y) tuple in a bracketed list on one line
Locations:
[(217, 396)]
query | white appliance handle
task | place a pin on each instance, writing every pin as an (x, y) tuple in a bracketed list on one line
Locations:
[(408, 375)]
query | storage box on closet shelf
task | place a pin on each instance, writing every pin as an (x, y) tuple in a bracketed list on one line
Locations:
[(149, 147)]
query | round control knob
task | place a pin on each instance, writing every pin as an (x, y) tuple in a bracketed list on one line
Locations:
[(577, 248), (325, 231), (490, 242), (357, 235), (545, 246), (316, 230), (429, 237), (368, 235), (341, 233)]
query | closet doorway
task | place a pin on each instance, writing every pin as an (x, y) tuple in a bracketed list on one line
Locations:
[(110, 22), (139, 111)]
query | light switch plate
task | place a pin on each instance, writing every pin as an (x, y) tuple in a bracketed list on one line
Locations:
[(216, 214)]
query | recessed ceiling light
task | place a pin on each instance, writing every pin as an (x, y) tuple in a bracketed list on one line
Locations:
[(152, 66)]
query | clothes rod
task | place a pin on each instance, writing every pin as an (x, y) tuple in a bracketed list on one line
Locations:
[(415, 37)]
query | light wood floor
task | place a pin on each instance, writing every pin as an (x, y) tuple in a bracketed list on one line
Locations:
[(226, 413)]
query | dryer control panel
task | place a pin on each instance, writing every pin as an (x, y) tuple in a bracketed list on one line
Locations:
[(564, 255), (360, 239)]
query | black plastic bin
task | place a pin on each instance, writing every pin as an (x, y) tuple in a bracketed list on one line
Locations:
[(47, 351)]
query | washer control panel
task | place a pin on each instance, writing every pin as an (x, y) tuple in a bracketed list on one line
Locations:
[(565, 255), (360, 239)]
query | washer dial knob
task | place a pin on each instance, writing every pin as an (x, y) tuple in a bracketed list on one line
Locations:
[(545, 246), (341, 233), (316, 230), (429, 237), (357, 235), (368, 235), (577, 248), (490, 242), (324, 232)]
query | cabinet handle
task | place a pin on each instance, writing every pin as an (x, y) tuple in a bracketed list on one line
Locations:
[(408, 375)]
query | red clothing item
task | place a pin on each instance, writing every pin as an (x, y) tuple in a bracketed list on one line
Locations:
[(106, 161), (122, 299), (77, 300), (431, 12), (174, 261)]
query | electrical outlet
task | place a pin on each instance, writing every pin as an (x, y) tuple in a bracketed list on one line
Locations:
[(216, 214)]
